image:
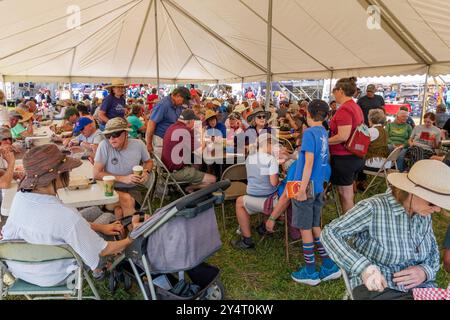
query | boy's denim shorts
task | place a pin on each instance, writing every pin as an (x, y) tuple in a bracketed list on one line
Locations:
[(306, 214)]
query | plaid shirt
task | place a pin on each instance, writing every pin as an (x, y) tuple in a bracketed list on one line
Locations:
[(384, 235)]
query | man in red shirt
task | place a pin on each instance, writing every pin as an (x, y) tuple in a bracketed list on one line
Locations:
[(152, 99), (178, 147)]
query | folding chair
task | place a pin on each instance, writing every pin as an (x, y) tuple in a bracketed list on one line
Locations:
[(148, 198), (383, 171), (167, 177), (19, 250), (236, 174)]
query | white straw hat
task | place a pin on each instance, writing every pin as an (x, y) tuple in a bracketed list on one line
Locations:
[(427, 179)]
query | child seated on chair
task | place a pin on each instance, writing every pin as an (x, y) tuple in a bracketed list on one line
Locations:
[(313, 165), (262, 177)]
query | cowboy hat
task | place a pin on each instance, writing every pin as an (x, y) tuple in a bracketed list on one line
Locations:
[(43, 164), (116, 83), (257, 111), (428, 180), (210, 114), (116, 124), (24, 114)]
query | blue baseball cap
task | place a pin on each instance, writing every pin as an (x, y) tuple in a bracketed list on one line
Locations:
[(81, 123)]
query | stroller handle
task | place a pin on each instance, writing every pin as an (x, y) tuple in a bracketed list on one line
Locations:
[(194, 197)]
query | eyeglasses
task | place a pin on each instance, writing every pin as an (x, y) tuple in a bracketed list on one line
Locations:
[(261, 117), (114, 134), (10, 139)]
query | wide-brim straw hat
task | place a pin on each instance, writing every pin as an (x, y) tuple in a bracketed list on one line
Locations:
[(257, 111), (43, 164), (210, 114), (115, 125), (240, 108), (24, 114), (427, 179), (116, 83)]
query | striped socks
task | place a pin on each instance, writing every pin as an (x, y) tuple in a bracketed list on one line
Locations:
[(308, 253), (326, 261)]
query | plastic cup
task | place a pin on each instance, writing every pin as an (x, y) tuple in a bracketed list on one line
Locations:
[(108, 183), (138, 170)]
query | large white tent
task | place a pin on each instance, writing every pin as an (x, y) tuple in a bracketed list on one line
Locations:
[(221, 41)]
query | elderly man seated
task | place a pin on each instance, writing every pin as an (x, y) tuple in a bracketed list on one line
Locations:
[(180, 137), (386, 243), (87, 136), (17, 119), (38, 216), (116, 156)]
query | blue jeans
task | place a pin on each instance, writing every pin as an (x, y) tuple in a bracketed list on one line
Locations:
[(401, 157)]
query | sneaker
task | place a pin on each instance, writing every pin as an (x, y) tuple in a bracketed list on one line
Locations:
[(261, 229), (98, 275), (329, 274), (241, 245), (303, 276)]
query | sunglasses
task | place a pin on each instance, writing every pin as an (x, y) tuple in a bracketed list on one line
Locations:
[(114, 134), (10, 139), (261, 117)]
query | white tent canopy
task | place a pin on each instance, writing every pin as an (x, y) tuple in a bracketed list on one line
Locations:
[(217, 40)]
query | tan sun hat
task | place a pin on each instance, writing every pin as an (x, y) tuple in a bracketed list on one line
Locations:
[(427, 179), (116, 83), (24, 114), (210, 114), (240, 108), (116, 124), (216, 102)]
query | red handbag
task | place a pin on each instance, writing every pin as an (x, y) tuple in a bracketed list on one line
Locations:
[(358, 144)]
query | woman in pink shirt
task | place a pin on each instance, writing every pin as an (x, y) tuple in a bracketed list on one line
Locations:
[(344, 165)]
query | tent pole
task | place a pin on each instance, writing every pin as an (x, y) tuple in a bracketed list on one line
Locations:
[(242, 88), (331, 86), (425, 93), (157, 46), (269, 56)]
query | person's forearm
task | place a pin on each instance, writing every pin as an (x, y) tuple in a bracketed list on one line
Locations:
[(150, 132), (101, 174), (148, 165), (96, 227), (307, 170), (102, 116), (6, 178), (114, 247), (337, 139)]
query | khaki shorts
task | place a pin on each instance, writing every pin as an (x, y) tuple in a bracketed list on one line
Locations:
[(254, 205), (189, 174), (157, 145)]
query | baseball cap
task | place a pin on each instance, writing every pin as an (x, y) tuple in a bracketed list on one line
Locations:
[(188, 114), (318, 105), (371, 88), (83, 122)]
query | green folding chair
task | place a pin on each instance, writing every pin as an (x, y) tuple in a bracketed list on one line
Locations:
[(21, 251)]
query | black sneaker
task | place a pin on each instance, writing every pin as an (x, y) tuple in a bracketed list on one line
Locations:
[(241, 245), (261, 229)]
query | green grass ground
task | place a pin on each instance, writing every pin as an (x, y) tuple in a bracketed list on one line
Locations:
[(265, 274)]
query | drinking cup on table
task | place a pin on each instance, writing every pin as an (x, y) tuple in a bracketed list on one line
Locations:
[(108, 183)]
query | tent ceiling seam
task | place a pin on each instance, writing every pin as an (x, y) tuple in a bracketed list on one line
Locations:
[(184, 40), (51, 21), (64, 32), (331, 35), (398, 33), (215, 35), (216, 65), (184, 66), (284, 36), (44, 62), (426, 22), (140, 36)]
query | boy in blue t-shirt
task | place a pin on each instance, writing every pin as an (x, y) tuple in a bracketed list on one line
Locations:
[(313, 164)]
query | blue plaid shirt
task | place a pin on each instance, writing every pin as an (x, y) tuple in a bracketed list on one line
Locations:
[(382, 234)]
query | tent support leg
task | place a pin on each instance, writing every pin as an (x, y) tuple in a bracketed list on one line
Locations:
[(425, 93), (269, 57)]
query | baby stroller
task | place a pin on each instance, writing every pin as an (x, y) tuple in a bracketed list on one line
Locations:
[(174, 244)]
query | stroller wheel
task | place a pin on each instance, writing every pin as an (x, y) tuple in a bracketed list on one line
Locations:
[(215, 292), (112, 283), (127, 282)]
